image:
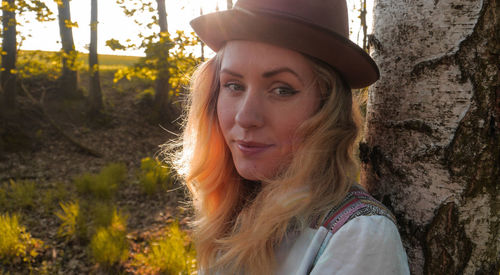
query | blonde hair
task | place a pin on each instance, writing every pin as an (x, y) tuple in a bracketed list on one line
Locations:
[(238, 223)]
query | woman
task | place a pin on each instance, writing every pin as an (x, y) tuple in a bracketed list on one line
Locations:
[(267, 149)]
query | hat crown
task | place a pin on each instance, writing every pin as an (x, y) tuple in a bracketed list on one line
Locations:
[(328, 14)]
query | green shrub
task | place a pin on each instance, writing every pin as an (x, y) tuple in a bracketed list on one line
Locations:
[(69, 215), (81, 220), (21, 194), (174, 253), (52, 197), (3, 198), (15, 242), (109, 245), (153, 175), (102, 213), (38, 65), (103, 185)]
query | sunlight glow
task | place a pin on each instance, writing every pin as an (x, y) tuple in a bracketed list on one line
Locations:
[(114, 24)]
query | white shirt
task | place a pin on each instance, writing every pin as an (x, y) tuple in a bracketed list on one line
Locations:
[(364, 245)]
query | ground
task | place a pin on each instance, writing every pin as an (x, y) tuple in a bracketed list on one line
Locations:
[(123, 134)]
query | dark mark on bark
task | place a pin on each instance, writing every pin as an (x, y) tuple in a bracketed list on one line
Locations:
[(447, 249), (414, 125), (375, 43)]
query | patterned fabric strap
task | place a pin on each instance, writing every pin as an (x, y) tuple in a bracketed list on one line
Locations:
[(357, 203)]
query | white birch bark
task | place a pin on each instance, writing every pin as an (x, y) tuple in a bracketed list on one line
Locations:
[(431, 146)]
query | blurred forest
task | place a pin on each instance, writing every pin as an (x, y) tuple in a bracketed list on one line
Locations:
[(82, 189)]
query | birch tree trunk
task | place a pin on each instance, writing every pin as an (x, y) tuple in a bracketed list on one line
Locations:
[(95, 95), (432, 149), (9, 45)]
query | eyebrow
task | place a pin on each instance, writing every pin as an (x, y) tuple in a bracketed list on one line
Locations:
[(267, 74), (281, 70), (231, 73)]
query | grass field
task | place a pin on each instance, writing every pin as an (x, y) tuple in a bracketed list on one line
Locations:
[(106, 61)]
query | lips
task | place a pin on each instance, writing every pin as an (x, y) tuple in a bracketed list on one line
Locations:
[(251, 147)]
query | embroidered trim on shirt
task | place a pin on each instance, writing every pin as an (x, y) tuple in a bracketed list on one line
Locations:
[(356, 203)]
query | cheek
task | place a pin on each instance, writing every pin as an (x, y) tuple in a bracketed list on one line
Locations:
[(288, 126), (225, 116)]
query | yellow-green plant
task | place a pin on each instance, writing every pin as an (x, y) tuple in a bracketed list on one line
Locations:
[(68, 215), (153, 175), (21, 194), (52, 197), (102, 213), (15, 242), (38, 65), (83, 219), (174, 253), (3, 198), (103, 185), (109, 245)]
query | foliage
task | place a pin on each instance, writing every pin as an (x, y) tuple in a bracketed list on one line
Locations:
[(167, 55), (22, 7), (15, 243), (52, 197), (153, 175), (173, 253), (101, 213), (18, 195), (47, 65), (109, 245), (109, 62), (180, 61), (115, 44), (81, 220), (41, 65), (69, 219), (42, 12), (94, 209), (3, 199), (104, 184)]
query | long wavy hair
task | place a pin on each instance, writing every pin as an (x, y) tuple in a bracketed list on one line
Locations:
[(238, 223)]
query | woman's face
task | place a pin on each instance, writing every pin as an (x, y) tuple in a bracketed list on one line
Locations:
[(266, 92)]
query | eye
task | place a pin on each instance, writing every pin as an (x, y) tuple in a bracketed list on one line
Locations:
[(284, 91), (233, 86)]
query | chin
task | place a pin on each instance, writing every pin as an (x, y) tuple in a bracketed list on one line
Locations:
[(249, 176), (253, 174)]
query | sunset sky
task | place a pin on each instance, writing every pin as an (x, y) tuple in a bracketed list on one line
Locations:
[(114, 24)]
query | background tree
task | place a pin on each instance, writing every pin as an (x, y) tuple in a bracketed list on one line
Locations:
[(432, 143), (95, 94), (168, 62), (229, 4), (202, 45), (69, 77), (9, 43), (162, 100)]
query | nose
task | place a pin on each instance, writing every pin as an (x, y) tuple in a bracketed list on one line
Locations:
[(250, 112)]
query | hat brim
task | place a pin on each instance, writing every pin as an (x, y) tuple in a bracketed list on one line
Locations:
[(356, 67)]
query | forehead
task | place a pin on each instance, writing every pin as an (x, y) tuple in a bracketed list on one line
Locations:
[(245, 55)]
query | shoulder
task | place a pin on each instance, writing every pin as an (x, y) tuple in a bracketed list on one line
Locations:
[(356, 203)]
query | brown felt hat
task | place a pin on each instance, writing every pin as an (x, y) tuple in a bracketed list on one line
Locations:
[(318, 28)]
